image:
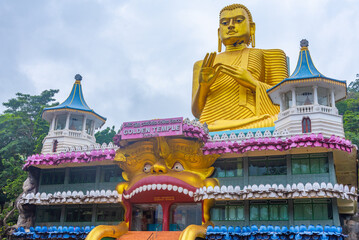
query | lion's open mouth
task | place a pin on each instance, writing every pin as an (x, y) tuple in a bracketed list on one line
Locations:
[(157, 187)]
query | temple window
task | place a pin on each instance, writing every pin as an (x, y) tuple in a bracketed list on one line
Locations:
[(60, 122), (112, 174), (48, 214), (82, 175), (52, 177), (89, 127), (268, 211), (228, 167), (233, 211), (185, 214), (313, 209), (76, 122), (54, 146), (315, 163), (78, 213), (287, 100), (304, 96), (270, 165), (109, 213), (306, 125), (323, 96)]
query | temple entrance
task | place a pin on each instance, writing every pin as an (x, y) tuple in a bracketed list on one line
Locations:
[(147, 217), (165, 216)]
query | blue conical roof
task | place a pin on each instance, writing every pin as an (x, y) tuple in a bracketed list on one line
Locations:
[(305, 67), (75, 101)]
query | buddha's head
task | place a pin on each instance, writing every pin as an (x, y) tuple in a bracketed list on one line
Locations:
[(236, 26)]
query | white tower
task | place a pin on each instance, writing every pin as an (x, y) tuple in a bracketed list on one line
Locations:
[(307, 99), (72, 123)]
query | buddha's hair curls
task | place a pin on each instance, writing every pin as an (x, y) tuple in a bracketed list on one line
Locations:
[(235, 6)]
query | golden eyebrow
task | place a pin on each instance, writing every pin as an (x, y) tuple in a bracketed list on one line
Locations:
[(238, 16)]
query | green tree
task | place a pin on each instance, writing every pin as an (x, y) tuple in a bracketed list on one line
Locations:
[(21, 133), (21, 125), (349, 108), (106, 135)]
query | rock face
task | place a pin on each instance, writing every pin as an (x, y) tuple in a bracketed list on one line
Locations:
[(351, 228), (27, 212)]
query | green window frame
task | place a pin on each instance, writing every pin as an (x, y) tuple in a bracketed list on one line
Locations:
[(315, 163), (268, 211), (228, 167), (52, 177), (267, 165), (48, 214), (82, 175), (112, 174), (228, 212), (313, 209), (78, 213), (110, 213)]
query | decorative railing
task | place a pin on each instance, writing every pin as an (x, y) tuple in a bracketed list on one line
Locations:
[(71, 133), (71, 157), (76, 134), (54, 232), (91, 147), (224, 144), (274, 191), (74, 197), (308, 109), (232, 136), (275, 232)]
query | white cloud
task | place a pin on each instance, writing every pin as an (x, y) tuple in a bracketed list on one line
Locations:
[(136, 57)]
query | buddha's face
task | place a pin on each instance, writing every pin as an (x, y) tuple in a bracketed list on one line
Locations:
[(235, 27)]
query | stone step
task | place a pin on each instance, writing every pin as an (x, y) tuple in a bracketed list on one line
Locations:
[(144, 235)]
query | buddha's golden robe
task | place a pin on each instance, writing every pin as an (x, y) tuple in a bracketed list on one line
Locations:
[(227, 100)]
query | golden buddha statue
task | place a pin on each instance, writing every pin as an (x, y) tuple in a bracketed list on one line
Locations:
[(229, 88)]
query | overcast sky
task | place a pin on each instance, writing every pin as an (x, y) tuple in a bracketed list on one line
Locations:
[(136, 57)]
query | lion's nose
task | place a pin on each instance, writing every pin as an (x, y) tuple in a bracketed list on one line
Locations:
[(158, 169)]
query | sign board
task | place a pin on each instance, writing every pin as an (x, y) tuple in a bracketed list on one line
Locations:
[(152, 128)]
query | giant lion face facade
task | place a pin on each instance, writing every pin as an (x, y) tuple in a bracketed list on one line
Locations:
[(164, 170)]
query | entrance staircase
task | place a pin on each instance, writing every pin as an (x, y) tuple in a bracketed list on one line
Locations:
[(148, 235)]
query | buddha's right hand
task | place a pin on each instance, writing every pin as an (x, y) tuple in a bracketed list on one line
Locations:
[(207, 72)]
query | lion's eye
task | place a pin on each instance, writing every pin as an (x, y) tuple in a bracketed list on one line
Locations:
[(178, 167), (147, 168)]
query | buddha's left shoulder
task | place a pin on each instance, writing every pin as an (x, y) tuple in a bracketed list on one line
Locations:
[(278, 52), (266, 51)]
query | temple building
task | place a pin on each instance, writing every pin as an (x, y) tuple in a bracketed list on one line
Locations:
[(282, 170), (295, 173)]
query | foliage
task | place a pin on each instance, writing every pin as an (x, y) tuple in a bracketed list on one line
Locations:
[(21, 125), (349, 108), (12, 177), (21, 133), (106, 135)]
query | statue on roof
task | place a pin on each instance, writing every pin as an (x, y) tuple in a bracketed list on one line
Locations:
[(229, 88)]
